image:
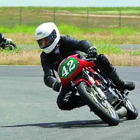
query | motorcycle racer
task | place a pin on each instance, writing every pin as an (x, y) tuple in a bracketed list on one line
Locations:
[(6, 41), (55, 48)]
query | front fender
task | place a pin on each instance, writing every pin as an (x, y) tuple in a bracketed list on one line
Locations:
[(80, 80)]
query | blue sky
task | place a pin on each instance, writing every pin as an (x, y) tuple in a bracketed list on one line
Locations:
[(69, 3)]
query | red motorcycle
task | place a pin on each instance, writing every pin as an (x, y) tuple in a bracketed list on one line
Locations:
[(96, 89)]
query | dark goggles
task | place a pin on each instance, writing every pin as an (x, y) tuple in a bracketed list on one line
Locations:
[(47, 41)]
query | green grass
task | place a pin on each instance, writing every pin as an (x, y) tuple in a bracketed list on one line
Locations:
[(71, 9), (65, 28), (19, 24), (109, 49), (18, 29), (106, 46), (71, 29), (104, 38), (98, 36), (11, 16)]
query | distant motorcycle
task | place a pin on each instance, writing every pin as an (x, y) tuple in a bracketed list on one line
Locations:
[(8, 44), (96, 89)]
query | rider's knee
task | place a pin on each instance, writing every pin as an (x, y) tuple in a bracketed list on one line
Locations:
[(102, 59), (63, 106)]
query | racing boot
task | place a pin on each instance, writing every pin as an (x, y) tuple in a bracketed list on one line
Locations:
[(106, 67), (121, 85)]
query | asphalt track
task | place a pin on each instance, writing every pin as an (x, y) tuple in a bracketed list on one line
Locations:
[(28, 110)]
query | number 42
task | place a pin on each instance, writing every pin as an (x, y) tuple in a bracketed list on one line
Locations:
[(66, 70)]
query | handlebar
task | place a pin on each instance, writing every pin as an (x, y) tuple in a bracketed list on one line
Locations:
[(85, 57)]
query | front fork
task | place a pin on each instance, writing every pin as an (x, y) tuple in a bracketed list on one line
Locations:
[(92, 83), (95, 85)]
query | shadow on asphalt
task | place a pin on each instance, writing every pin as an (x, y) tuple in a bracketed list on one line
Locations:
[(70, 124)]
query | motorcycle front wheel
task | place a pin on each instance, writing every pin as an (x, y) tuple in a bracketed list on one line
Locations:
[(101, 107)]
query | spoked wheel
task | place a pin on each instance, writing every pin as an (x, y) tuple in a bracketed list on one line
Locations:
[(11, 46), (132, 112), (100, 106)]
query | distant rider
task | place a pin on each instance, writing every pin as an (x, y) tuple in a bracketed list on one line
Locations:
[(55, 48), (5, 42)]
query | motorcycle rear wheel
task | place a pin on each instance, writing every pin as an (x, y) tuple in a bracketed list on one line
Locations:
[(132, 112), (11, 46), (102, 108)]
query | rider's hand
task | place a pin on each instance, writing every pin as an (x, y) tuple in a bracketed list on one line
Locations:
[(92, 52), (56, 86)]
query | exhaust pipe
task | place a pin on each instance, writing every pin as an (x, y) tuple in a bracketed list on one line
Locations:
[(122, 112)]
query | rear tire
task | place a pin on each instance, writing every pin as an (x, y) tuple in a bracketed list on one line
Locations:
[(132, 112), (101, 108), (11, 46)]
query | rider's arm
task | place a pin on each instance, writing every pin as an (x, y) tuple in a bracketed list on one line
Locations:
[(49, 77), (80, 45)]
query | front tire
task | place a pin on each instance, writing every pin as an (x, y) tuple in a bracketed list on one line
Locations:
[(101, 107)]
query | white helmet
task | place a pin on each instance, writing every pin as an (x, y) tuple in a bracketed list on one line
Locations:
[(47, 36)]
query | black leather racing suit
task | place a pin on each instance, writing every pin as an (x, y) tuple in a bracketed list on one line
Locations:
[(51, 61)]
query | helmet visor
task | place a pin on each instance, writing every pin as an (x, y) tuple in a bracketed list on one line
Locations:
[(47, 41)]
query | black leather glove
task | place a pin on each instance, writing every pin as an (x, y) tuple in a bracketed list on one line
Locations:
[(56, 86), (92, 52)]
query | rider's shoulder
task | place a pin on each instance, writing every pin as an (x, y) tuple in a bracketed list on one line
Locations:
[(67, 39)]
